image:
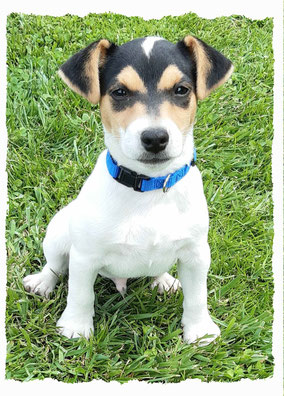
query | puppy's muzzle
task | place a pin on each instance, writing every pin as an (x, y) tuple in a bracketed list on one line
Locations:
[(155, 140)]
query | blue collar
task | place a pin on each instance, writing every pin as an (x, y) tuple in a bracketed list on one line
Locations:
[(143, 183)]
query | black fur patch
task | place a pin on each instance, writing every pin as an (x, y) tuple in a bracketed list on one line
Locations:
[(150, 71)]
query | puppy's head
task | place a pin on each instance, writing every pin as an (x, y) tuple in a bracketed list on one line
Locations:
[(148, 91)]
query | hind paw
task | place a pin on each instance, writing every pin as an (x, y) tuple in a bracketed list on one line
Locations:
[(166, 282)]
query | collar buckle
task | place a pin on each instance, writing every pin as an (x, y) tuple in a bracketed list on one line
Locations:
[(130, 178)]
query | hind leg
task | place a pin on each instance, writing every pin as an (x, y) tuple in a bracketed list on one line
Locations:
[(56, 246), (166, 282), (120, 284)]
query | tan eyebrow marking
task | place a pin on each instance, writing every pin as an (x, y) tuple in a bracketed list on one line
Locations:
[(131, 79), (171, 76)]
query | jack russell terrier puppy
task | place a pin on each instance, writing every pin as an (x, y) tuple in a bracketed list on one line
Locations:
[(142, 209)]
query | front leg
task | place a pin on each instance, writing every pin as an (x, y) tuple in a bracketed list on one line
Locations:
[(77, 318), (193, 267)]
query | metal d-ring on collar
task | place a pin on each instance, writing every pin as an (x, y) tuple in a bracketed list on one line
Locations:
[(165, 188), (192, 163)]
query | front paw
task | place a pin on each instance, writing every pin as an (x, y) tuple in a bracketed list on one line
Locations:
[(75, 327), (40, 283), (196, 331)]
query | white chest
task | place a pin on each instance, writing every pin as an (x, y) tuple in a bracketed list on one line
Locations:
[(140, 234), (148, 242), (142, 248)]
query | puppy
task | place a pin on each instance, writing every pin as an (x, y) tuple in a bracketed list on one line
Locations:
[(142, 209)]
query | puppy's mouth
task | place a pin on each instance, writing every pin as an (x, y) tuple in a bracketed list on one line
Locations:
[(154, 160)]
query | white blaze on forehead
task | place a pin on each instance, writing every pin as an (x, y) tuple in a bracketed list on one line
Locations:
[(148, 44)]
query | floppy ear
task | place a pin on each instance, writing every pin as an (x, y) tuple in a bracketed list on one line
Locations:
[(212, 68), (81, 71)]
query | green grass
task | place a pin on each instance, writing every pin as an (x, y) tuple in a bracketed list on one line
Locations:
[(54, 140)]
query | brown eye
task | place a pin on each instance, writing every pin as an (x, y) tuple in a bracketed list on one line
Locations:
[(181, 90), (119, 93)]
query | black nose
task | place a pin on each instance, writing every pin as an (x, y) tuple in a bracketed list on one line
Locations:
[(155, 140)]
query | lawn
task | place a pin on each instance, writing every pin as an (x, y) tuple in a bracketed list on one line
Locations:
[(55, 137)]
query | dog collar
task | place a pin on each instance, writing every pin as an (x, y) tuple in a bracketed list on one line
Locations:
[(143, 183)]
